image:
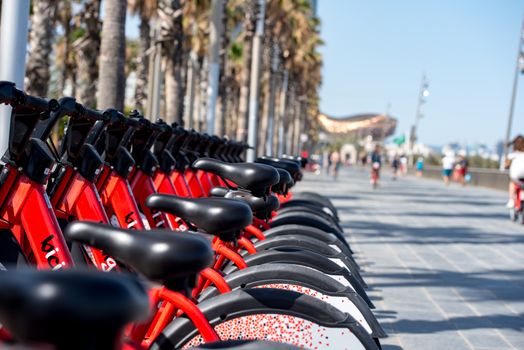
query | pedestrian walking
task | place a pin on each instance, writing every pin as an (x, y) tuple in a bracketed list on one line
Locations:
[(420, 166), (403, 164), (336, 162), (462, 170), (395, 164), (448, 162), (515, 163)]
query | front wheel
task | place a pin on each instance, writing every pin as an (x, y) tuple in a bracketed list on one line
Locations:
[(271, 314)]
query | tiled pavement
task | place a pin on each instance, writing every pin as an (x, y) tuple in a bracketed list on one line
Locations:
[(445, 265)]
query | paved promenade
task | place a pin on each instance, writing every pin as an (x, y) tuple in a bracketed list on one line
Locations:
[(445, 266)]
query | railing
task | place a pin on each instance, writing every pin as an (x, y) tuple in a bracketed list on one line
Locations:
[(491, 178)]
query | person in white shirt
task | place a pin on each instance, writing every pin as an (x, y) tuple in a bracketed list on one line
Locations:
[(515, 162), (448, 162)]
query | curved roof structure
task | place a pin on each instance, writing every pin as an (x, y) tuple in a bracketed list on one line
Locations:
[(379, 126)]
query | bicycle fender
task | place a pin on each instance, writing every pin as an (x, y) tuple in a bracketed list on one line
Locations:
[(300, 242), (303, 258), (256, 276), (262, 301), (312, 232)]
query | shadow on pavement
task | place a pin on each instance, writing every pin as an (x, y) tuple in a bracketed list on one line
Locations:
[(391, 347), (513, 322), (424, 235), (473, 286)]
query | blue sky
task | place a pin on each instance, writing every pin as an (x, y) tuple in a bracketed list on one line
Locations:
[(377, 50)]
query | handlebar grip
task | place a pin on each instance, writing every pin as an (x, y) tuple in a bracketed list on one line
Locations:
[(113, 116), (41, 103), (95, 114)]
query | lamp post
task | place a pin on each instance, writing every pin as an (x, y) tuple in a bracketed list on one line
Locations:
[(423, 93), (13, 45), (518, 69)]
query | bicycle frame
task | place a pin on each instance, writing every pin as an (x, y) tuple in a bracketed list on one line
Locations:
[(180, 183), (79, 198), (168, 304), (194, 184), (205, 181), (143, 186), (118, 200), (27, 211)]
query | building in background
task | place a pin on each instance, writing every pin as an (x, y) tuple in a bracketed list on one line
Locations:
[(359, 126)]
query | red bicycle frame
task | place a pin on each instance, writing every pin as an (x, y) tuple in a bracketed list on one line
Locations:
[(117, 198), (181, 186), (143, 186), (194, 184), (168, 303), (27, 212), (205, 182), (79, 198)]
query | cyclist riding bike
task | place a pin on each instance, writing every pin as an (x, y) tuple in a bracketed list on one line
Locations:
[(376, 163), (515, 163)]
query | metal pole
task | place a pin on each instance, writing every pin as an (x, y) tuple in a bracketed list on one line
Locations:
[(513, 97), (413, 136), (255, 83), (13, 46), (215, 37)]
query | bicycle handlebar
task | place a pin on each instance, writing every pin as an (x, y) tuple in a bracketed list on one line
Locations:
[(10, 95)]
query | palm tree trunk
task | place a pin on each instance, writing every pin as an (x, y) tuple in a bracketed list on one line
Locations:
[(232, 122), (41, 43), (282, 114), (112, 79), (87, 49), (221, 108), (272, 97), (202, 95), (263, 122), (172, 83), (265, 96), (66, 70), (142, 64), (288, 125), (172, 35), (243, 104), (191, 90)]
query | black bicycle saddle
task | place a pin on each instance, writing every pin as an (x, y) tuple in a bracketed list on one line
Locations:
[(68, 307), (290, 166), (160, 255), (224, 218), (285, 183), (262, 207), (256, 178)]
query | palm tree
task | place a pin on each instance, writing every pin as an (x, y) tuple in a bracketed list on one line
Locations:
[(195, 26), (112, 79), (86, 46), (41, 44), (146, 10), (63, 52), (243, 103), (169, 15), (298, 38)]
